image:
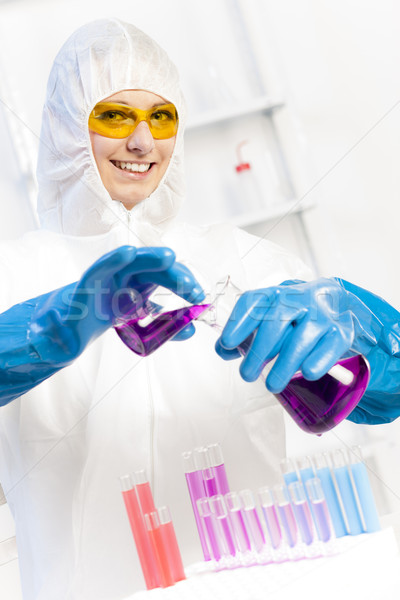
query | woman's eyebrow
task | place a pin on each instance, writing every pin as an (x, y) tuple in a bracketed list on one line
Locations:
[(127, 103)]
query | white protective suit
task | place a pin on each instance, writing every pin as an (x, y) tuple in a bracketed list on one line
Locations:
[(65, 444)]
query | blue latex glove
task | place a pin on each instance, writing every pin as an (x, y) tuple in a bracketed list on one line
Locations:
[(309, 326), (40, 336)]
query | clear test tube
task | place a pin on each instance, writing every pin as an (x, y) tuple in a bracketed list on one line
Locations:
[(144, 492), (286, 515), (319, 508), (363, 486), (289, 470), (217, 463), (171, 544), (252, 520), (147, 559), (306, 468), (301, 511), (160, 551), (195, 483), (213, 531), (270, 515), (220, 512), (348, 493), (234, 507), (331, 493), (203, 463)]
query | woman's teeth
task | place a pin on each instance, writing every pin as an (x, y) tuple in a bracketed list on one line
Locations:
[(135, 167)]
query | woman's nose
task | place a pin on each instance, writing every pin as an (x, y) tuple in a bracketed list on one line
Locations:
[(141, 139)]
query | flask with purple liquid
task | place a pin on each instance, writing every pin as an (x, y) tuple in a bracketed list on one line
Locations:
[(316, 406)]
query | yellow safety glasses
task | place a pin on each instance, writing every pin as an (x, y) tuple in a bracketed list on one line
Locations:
[(119, 120)]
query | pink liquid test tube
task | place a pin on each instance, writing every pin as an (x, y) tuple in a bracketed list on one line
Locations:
[(235, 513), (252, 520), (301, 511), (144, 549), (286, 515), (171, 544), (270, 516), (217, 463), (144, 492), (211, 526), (221, 514), (160, 551), (195, 483), (319, 508)]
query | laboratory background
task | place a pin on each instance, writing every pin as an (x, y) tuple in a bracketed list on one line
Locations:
[(304, 93)]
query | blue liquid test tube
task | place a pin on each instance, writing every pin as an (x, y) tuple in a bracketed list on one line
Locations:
[(363, 486), (319, 509), (286, 515), (270, 516), (332, 496), (289, 470), (252, 520), (301, 511), (306, 468), (220, 512), (342, 474), (235, 513)]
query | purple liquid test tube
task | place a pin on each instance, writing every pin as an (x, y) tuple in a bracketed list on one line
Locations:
[(221, 514), (234, 506), (203, 464), (212, 529), (252, 520), (319, 508), (301, 511), (270, 516), (195, 483), (286, 515), (217, 463)]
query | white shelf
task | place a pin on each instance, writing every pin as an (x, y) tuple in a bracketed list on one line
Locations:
[(281, 209), (261, 105)]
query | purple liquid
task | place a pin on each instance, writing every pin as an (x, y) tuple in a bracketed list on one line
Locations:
[(240, 531), (255, 528), (227, 535), (274, 530), (317, 406), (210, 483), (288, 523), (321, 516), (303, 518), (196, 489), (221, 479), (145, 339), (212, 535)]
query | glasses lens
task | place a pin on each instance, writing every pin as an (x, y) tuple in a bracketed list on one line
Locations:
[(163, 121), (119, 121)]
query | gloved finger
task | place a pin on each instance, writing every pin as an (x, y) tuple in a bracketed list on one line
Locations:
[(327, 352), (273, 331), (177, 278), (296, 347), (185, 333), (246, 316), (147, 260), (106, 266), (226, 354)]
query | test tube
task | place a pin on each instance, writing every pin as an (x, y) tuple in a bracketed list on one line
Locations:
[(143, 490), (286, 515), (306, 468), (270, 516), (171, 544), (331, 493), (234, 507), (289, 470), (221, 514), (212, 529), (319, 508), (144, 549), (203, 463), (217, 463), (195, 483), (156, 539), (347, 491), (363, 486), (301, 511), (252, 520)]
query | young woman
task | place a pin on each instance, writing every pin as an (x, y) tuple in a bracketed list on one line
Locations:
[(110, 187)]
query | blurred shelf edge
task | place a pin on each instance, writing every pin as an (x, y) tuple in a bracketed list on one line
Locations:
[(275, 211), (213, 117)]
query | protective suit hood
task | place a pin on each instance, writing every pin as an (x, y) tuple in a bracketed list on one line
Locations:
[(98, 60)]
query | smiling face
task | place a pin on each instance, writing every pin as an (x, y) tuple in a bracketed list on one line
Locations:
[(131, 168)]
